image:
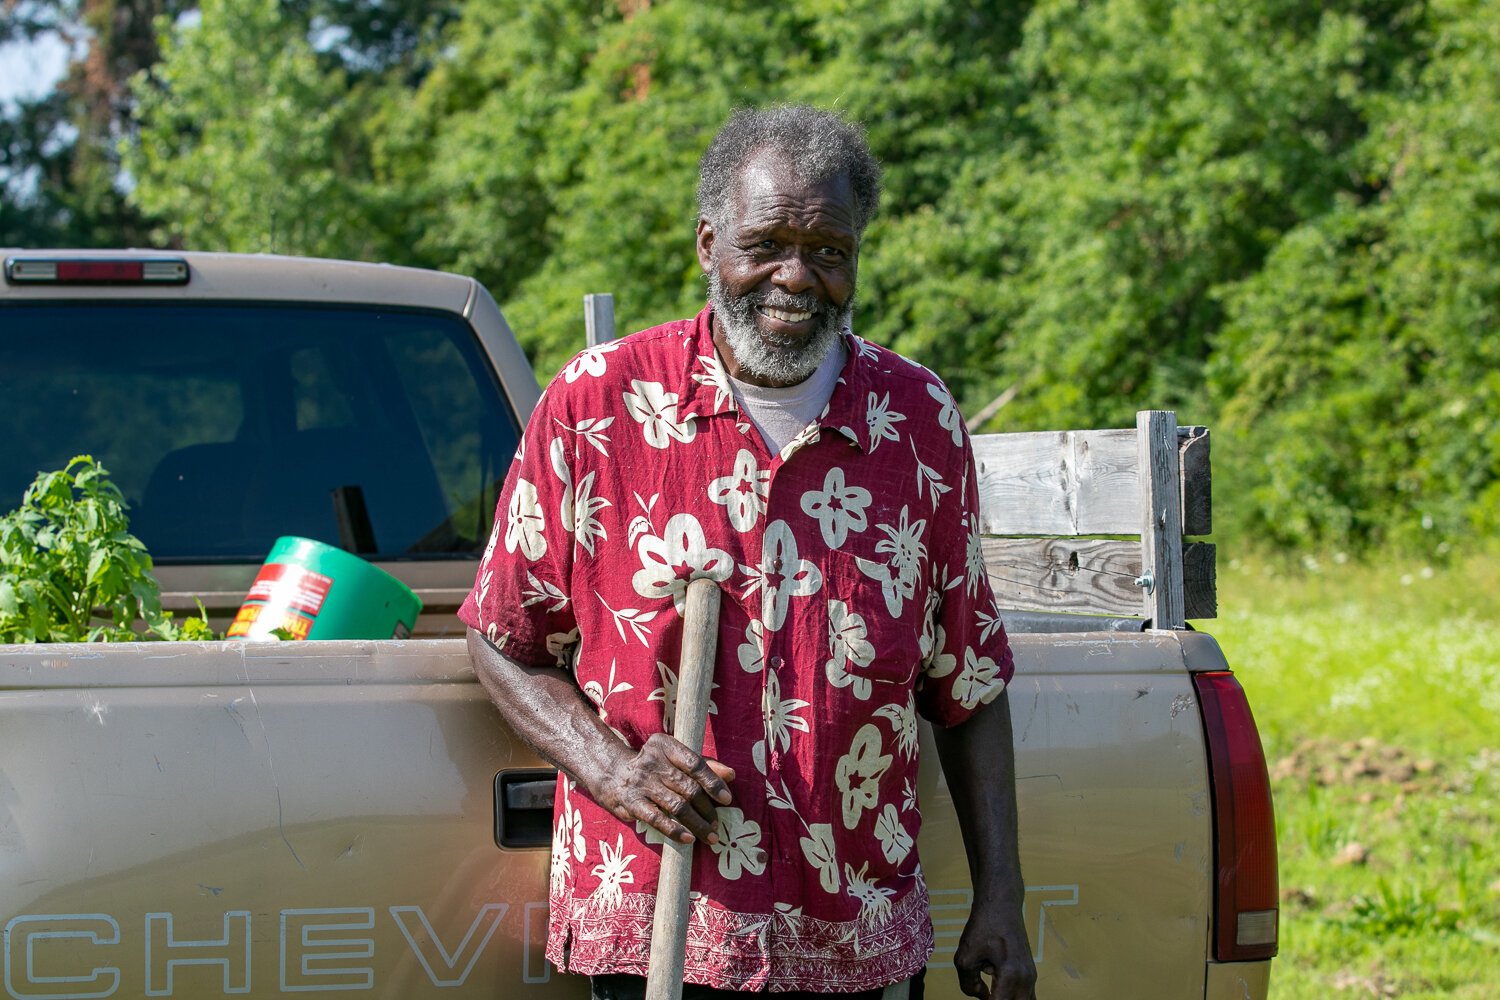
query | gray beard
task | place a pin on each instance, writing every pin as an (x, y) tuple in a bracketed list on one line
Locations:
[(764, 355)]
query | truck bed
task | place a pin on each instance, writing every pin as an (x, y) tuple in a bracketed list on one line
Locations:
[(267, 818)]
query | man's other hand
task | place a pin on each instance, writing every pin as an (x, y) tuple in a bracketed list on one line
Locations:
[(994, 944), (669, 788)]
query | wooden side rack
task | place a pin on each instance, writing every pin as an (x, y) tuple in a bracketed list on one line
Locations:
[(1054, 506)]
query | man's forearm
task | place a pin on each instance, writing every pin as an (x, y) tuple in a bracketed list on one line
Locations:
[(979, 764), (663, 784), (545, 708)]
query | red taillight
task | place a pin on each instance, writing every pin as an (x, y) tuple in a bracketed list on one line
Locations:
[(1245, 900), (96, 271)]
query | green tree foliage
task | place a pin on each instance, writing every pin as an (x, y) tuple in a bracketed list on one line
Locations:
[(1277, 217), (1361, 364), (60, 180)]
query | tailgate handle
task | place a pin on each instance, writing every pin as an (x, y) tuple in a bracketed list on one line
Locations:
[(523, 807), (531, 794)]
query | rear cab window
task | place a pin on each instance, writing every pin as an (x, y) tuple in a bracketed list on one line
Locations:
[(228, 424)]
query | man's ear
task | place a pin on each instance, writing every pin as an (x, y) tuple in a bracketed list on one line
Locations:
[(705, 243)]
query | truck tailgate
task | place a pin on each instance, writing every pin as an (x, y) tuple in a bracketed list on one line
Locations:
[(269, 818)]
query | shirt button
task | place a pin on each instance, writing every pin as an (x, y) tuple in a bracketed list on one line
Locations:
[(775, 663), (776, 564)]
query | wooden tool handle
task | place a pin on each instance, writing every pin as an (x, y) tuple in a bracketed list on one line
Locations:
[(694, 682)]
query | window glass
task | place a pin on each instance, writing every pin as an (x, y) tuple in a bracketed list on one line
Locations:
[(228, 425)]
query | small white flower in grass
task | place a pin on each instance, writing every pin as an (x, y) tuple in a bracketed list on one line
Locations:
[(743, 492), (613, 872), (979, 682), (738, 847), (817, 848), (837, 507), (895, 842), (949, 419), (655, 409), (882, 421), (874, 900), (525, 522), (859, 772)]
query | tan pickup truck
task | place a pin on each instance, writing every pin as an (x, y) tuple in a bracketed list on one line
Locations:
[(352, 819)]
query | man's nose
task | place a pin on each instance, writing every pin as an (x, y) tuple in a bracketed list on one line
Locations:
[(793, 274)]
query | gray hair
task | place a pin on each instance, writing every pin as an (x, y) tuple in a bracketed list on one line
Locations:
[(818, 144)]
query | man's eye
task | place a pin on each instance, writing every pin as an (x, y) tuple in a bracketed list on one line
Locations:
[(832, 253), (766, 245)]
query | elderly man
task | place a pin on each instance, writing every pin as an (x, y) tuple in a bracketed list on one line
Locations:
[(826, 484)]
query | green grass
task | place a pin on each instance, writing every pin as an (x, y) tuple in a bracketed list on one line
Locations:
[(1377, 692)]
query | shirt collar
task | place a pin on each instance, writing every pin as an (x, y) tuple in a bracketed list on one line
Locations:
[(706, 391)]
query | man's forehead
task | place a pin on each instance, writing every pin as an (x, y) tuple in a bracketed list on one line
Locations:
[(772, 189)]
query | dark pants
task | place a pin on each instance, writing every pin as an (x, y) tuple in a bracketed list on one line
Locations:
[(625, 987)]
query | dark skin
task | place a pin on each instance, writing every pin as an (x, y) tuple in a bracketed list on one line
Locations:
[(786, 235)]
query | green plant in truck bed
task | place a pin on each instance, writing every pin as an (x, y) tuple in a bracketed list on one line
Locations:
[(71, 571)]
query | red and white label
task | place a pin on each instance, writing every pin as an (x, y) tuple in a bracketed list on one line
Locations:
[(291, 587)]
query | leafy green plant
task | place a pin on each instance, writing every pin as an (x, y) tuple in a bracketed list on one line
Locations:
[(71, 571)]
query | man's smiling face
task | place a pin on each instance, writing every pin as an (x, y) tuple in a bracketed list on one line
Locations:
[(782, 272)]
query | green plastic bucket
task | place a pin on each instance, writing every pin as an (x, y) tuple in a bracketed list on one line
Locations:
[(315, 591)]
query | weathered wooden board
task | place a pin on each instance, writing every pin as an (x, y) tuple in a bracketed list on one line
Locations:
[(1200, 580), (1081, 482), (1197, 481), (1160, 517), (1089, 576)]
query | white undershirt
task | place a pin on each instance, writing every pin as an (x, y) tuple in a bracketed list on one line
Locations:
[(780, 414)]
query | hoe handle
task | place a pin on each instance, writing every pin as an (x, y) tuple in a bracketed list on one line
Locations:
[(694, 681)]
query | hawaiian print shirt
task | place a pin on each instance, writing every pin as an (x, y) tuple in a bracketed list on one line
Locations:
[(854, 598)]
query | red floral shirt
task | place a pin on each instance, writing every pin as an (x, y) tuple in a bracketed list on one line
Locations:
[(855, 597)]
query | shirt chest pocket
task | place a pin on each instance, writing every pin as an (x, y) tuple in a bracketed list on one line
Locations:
[(875, 619)]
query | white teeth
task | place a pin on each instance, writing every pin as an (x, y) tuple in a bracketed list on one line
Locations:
[(784, 316)]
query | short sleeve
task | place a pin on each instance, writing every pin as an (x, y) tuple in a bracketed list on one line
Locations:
[(521, 599), (966, 657)]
